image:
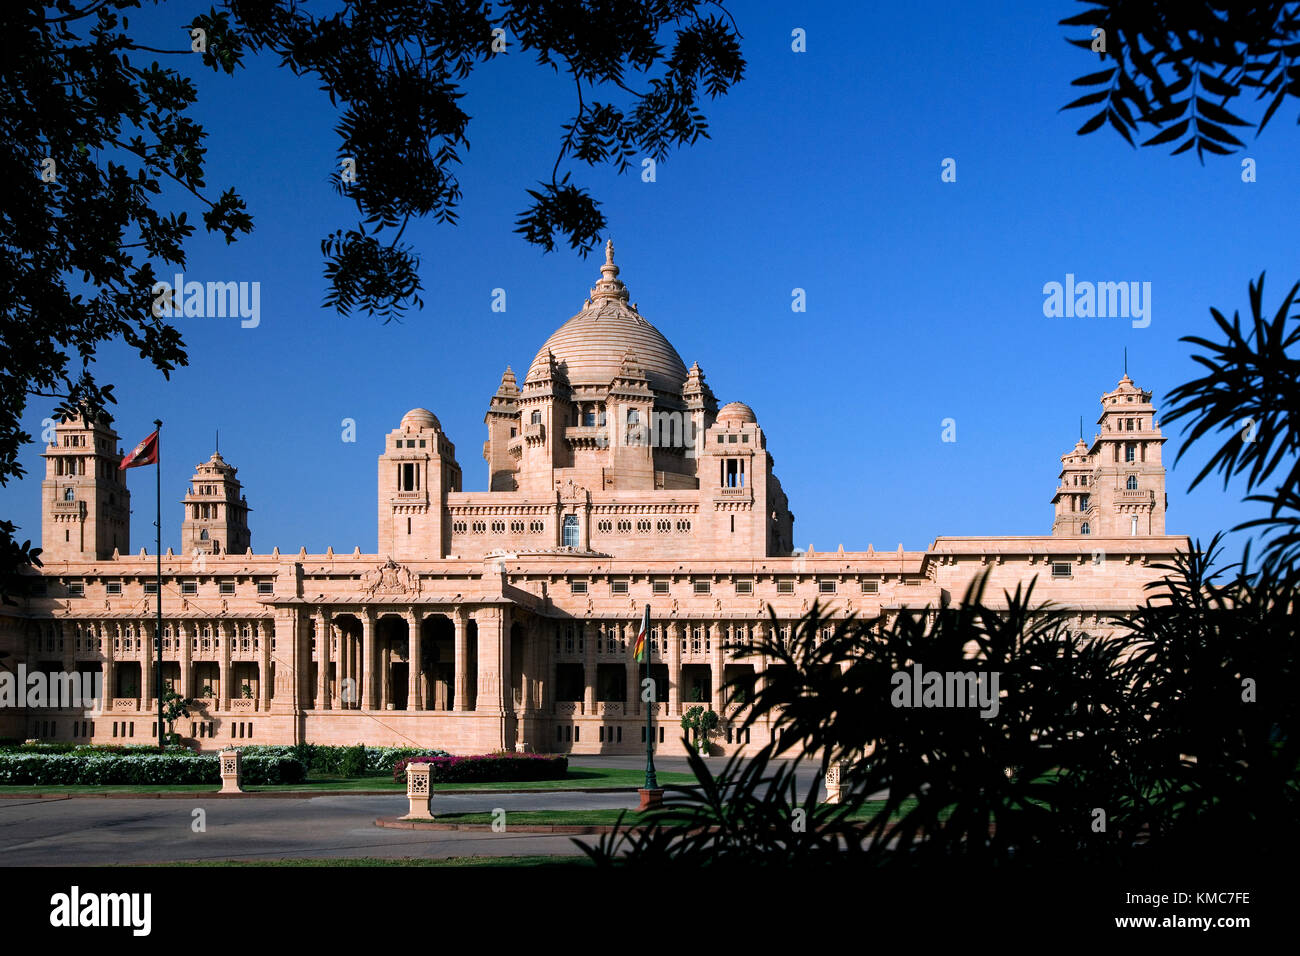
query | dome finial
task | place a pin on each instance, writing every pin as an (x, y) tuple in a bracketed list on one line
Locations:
[(609, 286)]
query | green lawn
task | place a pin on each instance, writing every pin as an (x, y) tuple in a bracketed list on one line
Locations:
[(588, 818), (578, 778)]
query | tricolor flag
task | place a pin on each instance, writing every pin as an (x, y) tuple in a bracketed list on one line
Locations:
[(639, 653), (145, 453)]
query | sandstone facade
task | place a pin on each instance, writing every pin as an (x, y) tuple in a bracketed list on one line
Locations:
[(506, 618)]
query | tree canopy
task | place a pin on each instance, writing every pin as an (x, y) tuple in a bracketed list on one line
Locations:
[(97, 124)]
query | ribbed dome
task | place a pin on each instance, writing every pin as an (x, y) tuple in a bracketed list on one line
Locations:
[(592, 344), (420, 418), (737, 412)]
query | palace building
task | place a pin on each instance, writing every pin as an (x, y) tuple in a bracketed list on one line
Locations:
[(505, 618)]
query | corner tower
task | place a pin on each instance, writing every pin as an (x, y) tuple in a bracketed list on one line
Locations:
[(85, 507), (416, 471)]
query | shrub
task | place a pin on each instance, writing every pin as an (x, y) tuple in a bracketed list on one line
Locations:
[(92, 767), (482, 768)]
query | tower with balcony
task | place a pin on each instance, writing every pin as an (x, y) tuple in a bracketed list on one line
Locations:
[(216, 511), (1116, 486)]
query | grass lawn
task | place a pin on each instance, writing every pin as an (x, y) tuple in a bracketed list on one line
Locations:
[(578, 778), (457, 861), (584, 818)]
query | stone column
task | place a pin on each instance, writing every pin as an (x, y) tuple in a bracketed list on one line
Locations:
[(146, 672), (674, 669), (324, 630), (590, 634), (385, 672), (412, 659), (505, 681), (354, 669), (461, 667), (224, 630), (633, 671), (368, 652), (716, 663), (490, 674), (760, 676), (264, 668), (110, 671), (186, 638)]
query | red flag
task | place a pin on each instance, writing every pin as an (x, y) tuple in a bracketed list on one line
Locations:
[(145, 453)]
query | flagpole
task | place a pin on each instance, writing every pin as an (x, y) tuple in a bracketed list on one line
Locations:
[(651, 780), (157, 633)]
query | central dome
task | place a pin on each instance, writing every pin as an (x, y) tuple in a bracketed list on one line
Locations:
[(592, 344)]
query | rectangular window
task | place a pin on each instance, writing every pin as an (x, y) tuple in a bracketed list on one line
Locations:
[(870, 587), (659, 587), (702, 587), (745, 587), (151, 587), (617, 587), (265, 587), (189, 587), (227, 587), (785, 587), (76, 589), (1061, 569), (577, 587), (113, 587), (825, 587)]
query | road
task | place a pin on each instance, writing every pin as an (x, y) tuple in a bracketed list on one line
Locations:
[(94, 831)]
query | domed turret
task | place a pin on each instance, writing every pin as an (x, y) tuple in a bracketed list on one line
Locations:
[(418, 418), (737, 412)]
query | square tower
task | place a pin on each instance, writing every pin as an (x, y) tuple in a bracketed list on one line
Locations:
[(85, 506)]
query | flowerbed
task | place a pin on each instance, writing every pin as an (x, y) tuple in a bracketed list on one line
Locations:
[(482, 768), (150, 769)]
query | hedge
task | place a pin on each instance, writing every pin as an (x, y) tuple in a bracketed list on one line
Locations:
[(142, 769), (355, 761), (488, 767)]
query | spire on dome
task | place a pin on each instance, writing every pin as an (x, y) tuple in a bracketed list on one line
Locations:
[(609, 286)]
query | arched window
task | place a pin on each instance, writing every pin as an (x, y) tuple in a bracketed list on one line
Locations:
[(537, 418), (69, 495), (633, 416), (1084, 529), (203, 535), (1130, 452), (570, 531), (1132, 483)]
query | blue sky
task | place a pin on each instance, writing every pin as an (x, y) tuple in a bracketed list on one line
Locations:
[(924, 298)]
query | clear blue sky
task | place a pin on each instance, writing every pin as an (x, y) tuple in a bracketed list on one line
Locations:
[(924, 299)]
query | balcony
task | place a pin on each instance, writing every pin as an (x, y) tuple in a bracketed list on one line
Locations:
[(587, 436), (535, 434), (70, 508), (410, 498), (1140, 494), (126, 703)]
